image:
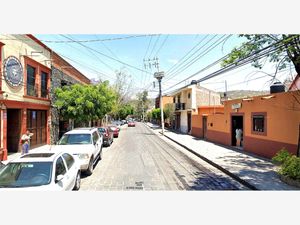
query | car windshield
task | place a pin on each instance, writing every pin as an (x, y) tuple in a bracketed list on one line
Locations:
[(113, 128), (25, 174), (101, 130), (75, 139)]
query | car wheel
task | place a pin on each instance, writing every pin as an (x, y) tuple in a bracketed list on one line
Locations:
[(77, 182), (90, 168)]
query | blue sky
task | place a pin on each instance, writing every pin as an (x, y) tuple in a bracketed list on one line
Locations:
[(169, 49)]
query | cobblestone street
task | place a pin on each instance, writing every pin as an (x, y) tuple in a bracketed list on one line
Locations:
[(140, 160)]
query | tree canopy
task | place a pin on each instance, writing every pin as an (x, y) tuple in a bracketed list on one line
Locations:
[(281, 49), (85, 102)]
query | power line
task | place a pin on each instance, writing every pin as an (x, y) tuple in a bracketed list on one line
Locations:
[(108, 66), (92, 40), (154, 45), (84, 65), (144, 76), (235, 65), (108, 56), (199, 56), (163, 43), (175, 65), (211, 47)]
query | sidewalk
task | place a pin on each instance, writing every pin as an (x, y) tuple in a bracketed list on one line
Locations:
[(254, 171), (17, 154)]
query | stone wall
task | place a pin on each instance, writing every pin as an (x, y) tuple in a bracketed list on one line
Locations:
[(57, 77)]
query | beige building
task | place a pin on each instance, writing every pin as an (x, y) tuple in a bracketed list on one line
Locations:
[(187, 100)]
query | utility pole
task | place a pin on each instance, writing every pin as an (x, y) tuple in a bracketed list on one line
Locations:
[(161, 107), (143, 110), (159, 75)]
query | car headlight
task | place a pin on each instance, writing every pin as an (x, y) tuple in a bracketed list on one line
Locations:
[(83, 156)]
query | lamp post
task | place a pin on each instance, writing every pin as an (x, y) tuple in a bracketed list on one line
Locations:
[(159, 76)]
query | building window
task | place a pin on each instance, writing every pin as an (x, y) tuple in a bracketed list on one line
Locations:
[(174, 100), (258, 123), (31, 89), (44, 79), (189, 95), (178, 99)]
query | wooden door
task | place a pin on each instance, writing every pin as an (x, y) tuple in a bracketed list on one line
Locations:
[(204, 125), (13, 129), (189, 117)]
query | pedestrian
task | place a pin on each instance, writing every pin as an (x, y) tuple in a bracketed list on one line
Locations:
[(238, 136), (25, 141)]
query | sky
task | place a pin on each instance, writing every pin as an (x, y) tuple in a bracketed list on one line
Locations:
[(179, 56)]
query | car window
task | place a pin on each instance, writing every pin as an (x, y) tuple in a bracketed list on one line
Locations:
[(69, 160), (95, 137), (60, 168), (72, 139), (26, 174), (102, 130)]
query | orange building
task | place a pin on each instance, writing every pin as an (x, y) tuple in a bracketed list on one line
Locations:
[(199, 121), (269, 123), (165, 100)]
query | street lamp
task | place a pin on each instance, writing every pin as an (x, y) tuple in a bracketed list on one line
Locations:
[(159, 76)]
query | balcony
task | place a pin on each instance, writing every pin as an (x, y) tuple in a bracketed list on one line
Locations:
[(180, 106)]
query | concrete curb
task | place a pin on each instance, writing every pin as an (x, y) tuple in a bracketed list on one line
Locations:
[(235, 177)]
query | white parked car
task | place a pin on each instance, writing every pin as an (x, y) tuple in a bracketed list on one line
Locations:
[(42, 171), (86, 143)]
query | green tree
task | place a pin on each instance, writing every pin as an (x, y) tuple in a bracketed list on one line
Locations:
[(84, 103), (169, 111), (284, 49), (124, 111), (142, 104)]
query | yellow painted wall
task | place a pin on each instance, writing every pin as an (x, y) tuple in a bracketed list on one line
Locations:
[(18, 45)]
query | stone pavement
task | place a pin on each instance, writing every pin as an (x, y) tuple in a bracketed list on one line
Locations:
[(255, 171)]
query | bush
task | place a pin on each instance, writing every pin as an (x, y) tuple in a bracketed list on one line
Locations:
[(291, 168), (281, 157)]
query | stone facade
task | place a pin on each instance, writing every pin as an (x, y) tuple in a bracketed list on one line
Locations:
[(58, 79)]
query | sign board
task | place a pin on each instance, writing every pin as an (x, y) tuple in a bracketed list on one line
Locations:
[(13, 71), (159, 75), (236, 106)]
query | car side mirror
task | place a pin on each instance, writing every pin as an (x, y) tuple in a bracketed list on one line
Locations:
[(59, 178)]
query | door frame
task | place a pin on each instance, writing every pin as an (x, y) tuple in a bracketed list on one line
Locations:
[(204, 126), (189, 121), (19, 128), (231, 132)]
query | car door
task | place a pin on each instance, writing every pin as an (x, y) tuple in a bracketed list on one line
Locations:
[(96, 144), (100, 139), (71, 170), (62, 179)]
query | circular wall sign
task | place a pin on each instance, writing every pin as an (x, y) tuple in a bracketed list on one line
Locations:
[(13, 71)]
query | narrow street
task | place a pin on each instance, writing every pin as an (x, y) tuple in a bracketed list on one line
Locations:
[(140, 160)]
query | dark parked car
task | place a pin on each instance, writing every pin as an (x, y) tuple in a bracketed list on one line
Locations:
[(108, 137), (115, 130)]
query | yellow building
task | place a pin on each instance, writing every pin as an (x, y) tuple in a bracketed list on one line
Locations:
[(24, 91)]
